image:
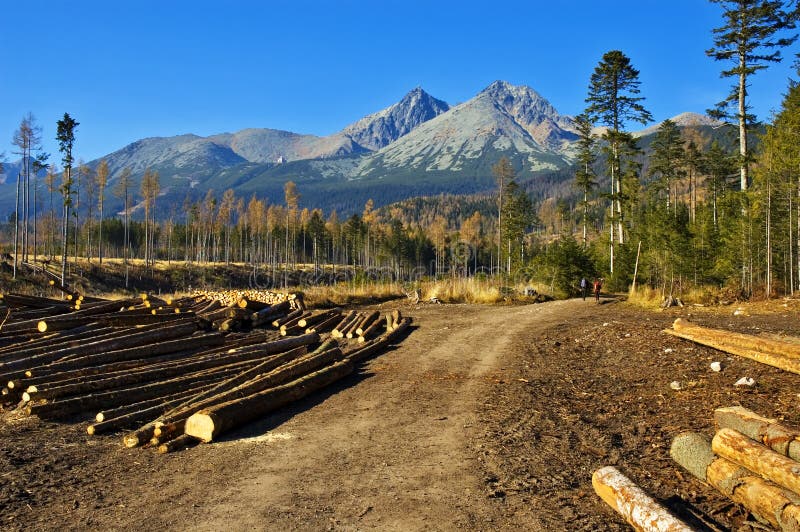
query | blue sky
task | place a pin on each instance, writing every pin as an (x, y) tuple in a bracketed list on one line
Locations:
[(128, 70)]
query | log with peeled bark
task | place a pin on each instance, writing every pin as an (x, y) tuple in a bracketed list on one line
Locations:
[(71, 406), (737, 340), (766, 501), (396, 317), (123, 341), (208, 424), (741, 450), (717, 340), (637, 508), (778, 437), (337, 331)]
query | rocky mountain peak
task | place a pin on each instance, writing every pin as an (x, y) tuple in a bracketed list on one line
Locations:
[(377, 130)]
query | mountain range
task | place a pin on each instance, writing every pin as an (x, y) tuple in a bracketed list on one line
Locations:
[(418, 146)]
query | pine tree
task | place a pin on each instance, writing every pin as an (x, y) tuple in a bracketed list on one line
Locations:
[(612, 101), (748, 41), (665, 160), (585, 178), (65, 135)]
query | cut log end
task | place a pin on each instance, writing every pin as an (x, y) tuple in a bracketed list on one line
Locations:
[(42, 326), (202, 426)]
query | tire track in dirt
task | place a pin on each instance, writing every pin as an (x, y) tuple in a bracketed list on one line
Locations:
[(394, 451)]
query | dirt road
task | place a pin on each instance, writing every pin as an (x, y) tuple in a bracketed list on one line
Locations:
[(484, 418)]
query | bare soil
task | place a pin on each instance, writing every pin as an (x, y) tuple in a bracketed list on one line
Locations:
[(484, 418)]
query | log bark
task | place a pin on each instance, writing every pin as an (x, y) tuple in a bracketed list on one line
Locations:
[(137, 352), (780, 438), (317, 318), (125, 420), (208, 424), (371, 330), (178, 444), (324, 326), (741, 450), (108, 399), (640, 510), (258, 381), (123, 410), (290, 316), (373, 346), (367, 321), (341, 326), (766, 501), (135, 339)]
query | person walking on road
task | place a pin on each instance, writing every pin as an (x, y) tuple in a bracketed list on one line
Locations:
[(584, 287), (597, 287)]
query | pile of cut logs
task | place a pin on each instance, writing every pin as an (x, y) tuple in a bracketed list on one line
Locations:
[(755, 461), (182, 370)]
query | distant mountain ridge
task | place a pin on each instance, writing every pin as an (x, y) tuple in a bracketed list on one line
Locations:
[(417, 146)]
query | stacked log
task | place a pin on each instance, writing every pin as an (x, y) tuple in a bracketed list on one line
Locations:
[(751, 460), (155, 363)]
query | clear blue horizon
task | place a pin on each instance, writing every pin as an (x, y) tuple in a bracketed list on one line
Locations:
[(127, 71)]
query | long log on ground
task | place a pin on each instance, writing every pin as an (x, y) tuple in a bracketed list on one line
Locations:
[(779, 361), (317, 318), (739, 341), (145, 433), (108, 399), (123, 319), (264, 367), (87, 385), (290, 316), (15, 300), (138, 352), (337, 331), (766, 501), (206, 425), (371, 347), (371, 330), (135, 416), (324, 326), (778, 437), (257, 380), (741, 450), (74, 319), (251, 304), (123, 410), (55, 341), (178, 444), (39, 313), (367, 321), (637, 508), (272, 312), (293, 323), (125, 341)]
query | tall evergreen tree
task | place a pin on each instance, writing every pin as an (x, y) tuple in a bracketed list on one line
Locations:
[(750, 38), (65, 135), (666, 158), (585, 178), (612, 101)]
